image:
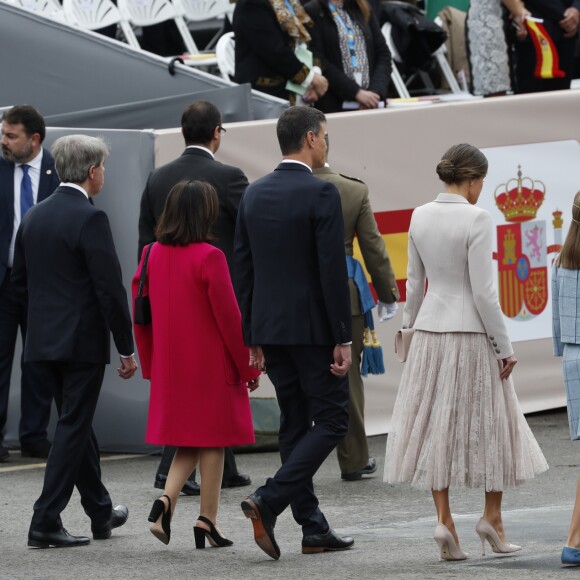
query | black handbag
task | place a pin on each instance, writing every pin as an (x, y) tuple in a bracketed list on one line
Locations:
[(142, 310)]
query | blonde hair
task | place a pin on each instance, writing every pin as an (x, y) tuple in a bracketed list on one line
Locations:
[(569, 257)]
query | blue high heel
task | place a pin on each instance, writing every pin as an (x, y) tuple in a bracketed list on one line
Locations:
[(570, 556)]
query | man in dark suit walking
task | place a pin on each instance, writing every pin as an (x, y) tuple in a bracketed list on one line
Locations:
[(291, 283), (201, 126), (27, 176), (65, 262)]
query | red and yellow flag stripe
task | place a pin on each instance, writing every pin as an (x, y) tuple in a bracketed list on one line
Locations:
[(547, 60), (394, 228)]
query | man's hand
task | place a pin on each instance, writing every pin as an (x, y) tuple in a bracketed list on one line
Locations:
[(128, 367), (508, 366), (342, 360), (368, 99), (569, 24), (387, 311), (257, 360), (253, 384)]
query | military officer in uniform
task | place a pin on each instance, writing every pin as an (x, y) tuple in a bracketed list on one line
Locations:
[(353, 451)]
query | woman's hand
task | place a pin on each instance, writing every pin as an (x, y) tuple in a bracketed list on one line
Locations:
[(319, 84), (508, 366), (253, 384), (368, 99)]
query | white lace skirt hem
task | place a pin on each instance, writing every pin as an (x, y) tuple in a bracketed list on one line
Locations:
[(455, 423)]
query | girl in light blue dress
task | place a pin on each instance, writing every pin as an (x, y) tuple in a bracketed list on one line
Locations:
[(566, 337)]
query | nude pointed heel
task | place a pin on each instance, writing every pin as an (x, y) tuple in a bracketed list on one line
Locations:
[(448, 548), (486, 531)]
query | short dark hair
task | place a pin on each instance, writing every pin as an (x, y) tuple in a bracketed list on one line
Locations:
[(293, 126), (460, 163), (190, 210), (28, 117), (199, 121)]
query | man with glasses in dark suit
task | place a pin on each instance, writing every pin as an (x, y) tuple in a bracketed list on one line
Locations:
[(201, 126)]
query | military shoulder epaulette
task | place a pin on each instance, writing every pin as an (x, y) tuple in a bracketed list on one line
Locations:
[(350, 177)]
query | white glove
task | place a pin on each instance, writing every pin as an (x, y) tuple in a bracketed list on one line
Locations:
[(387, 311)]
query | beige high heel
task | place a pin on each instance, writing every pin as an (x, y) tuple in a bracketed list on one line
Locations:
[(448, 548), (486, 531)]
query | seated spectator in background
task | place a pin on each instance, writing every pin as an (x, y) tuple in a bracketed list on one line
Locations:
[(487, 45), (267, 35), (353, 54), (552, 71), (194, 355)]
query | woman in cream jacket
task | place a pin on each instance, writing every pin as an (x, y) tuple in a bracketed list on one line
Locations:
[(456, 420)]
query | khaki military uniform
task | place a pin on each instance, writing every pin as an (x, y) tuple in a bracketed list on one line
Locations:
[(353, 452)]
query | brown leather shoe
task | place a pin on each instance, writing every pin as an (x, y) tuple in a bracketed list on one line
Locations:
[(263, 521)]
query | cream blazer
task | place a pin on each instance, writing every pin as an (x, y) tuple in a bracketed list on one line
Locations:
[(450, 245)]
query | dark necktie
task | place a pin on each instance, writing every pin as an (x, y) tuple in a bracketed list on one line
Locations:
[(26, 199)]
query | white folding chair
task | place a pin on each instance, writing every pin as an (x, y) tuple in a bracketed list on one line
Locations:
[(95, 14), (441, 58), (200, 10), (203, 10), (225, 52), (149, 12), (47, 8), (396, 77)]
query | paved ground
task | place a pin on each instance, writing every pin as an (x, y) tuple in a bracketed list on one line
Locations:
[(392, 526)]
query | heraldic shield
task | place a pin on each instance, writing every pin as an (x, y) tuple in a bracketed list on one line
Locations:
[(522, 269), (522, 255)]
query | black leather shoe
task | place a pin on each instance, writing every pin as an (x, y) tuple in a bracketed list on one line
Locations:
[(190, 487), (236, 480), (264, 522), (328, 542), (60, 539), (4, 454), (369, 468), (39, 450), (119, 516)]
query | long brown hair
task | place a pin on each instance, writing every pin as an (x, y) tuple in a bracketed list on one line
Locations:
[(569, 257)]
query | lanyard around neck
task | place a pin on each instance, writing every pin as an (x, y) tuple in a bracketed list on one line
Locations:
[(349, 32), (290, 7)]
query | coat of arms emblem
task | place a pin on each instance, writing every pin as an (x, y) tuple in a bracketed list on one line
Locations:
[(522, 252)]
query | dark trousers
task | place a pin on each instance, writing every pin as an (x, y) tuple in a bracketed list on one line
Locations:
[(35, 395), (74, 458), (230, 467), (313, 419), (353, 451)]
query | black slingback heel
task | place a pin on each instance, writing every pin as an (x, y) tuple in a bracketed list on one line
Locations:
[(161, 518), (212, 535)]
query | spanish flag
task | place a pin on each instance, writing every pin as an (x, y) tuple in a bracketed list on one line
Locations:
[(547, 61), (394, 227)]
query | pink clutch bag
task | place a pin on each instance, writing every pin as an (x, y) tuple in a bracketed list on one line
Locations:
[(403, 343)]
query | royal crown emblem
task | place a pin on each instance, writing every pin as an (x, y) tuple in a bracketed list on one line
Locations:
[(522, 251), (520, 199)]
